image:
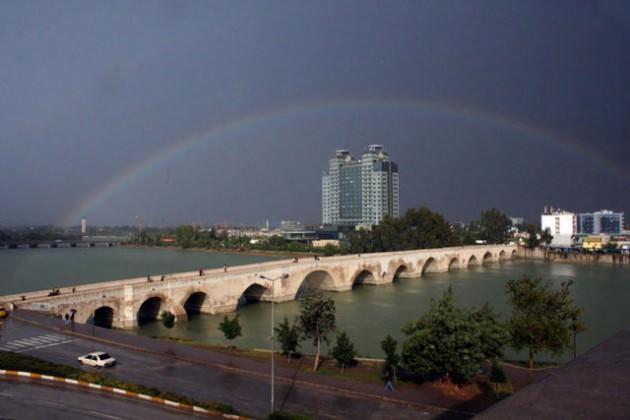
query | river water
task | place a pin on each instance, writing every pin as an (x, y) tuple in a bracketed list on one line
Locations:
[(24, 270), (367, 313)]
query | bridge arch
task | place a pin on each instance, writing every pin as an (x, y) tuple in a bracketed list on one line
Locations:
[(502, 255), (317, 279), (104, 317), (454, 264), (150, 308), (402, 268), (513, 254), (253, 293), (473, 261), (487, 258), (431, 265), (195, 302), (364, 276)]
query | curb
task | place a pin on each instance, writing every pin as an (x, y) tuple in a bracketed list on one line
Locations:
[(320, 387), (117, 391)]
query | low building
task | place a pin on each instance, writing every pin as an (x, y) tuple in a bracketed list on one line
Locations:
[(321, 243), (600, 222), (562, 226)]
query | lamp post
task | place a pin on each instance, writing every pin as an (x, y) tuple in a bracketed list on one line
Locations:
[(273, 338)]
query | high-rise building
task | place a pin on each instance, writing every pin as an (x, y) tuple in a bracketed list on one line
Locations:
[(361, 191), (83, 226)]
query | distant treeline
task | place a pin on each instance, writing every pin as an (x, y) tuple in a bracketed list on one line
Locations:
[(416, 229)]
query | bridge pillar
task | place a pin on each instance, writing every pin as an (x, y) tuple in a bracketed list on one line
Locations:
[(128, 317)]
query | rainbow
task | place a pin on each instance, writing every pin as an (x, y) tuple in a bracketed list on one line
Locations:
[(140, 169)]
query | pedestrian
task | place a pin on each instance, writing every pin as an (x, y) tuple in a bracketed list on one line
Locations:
[(149, 278), (66, 320), (72, 313), (225, 268), (73, 290), (200, 272), (162, 278), (389, 385)]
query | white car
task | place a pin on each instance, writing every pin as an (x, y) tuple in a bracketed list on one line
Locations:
[(97, 359)]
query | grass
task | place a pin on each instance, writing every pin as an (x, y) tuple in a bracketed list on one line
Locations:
[(14, 361)]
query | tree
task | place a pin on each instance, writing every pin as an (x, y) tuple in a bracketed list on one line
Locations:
[(392, 359), (546, 236), (494, 226), (185, 235), (288, 336), (344, 351), (418, 228), (231, 328), (493, 333), (543, 319), (533, 239), (317, 319), (329, 250), (168, 319), (450, 343), (497, 374)]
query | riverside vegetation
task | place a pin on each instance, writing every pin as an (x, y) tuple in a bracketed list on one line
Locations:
[(448, 343)]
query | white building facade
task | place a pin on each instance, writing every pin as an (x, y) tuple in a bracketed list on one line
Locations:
[(562, 225)]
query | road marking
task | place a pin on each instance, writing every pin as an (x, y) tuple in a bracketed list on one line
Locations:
[(53, 337), (34, 343), (44, 346), (11, 346), (38, 340)]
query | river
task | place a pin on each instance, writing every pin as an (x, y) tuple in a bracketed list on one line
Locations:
[(367, 313)]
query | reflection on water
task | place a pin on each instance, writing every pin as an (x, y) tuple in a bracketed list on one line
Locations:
[(369, 313), (563, 270)]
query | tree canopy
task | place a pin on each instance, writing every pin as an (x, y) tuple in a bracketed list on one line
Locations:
[(451, 343), (543, 319), (288, 336), (231, 328), (417, 229), (494, 226), (343, 352), (316, 319)]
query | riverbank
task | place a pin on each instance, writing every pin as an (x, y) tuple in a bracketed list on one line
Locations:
[(544, 254), (249, 252)]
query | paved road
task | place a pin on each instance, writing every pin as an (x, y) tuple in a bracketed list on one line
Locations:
[(210, 376), (27, 400)]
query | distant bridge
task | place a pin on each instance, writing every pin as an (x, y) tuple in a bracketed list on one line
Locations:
[(78, 243), (126, 303)]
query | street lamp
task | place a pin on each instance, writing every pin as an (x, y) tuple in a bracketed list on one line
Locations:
[(273, 338)]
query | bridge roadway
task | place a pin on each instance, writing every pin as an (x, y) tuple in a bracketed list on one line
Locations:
[(126, 303)]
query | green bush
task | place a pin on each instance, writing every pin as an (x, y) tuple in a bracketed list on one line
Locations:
[(282, 415)]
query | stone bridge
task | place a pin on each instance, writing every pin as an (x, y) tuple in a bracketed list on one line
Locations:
[(127, 303)]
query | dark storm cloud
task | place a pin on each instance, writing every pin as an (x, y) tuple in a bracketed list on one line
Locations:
[(90, 90)]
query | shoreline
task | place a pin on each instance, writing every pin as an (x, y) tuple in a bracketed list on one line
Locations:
[(252, 252)]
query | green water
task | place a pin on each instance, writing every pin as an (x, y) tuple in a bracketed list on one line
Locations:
[(369, 313), (24, 270)]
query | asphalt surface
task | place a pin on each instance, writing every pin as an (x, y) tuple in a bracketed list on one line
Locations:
[(211, 376), (595, 385), (20, 399)]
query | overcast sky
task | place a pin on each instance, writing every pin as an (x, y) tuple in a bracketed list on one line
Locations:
[(512, 104)]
